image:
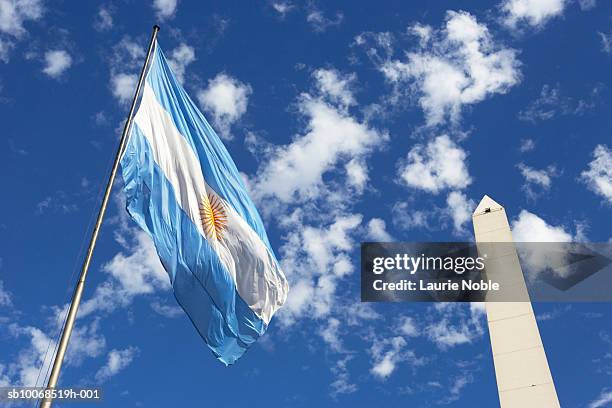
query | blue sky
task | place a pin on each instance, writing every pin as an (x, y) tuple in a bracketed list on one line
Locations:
[(351, 122)]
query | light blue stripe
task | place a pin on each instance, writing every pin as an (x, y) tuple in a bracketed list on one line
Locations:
[(200, 281), (218, 168)]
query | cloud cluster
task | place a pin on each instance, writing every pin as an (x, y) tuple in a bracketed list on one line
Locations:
[(226, 99), (165, 9), (180, 58), (435, 167), (32, 359), (319, 21), (377, 230), (117, 360), (528, 227), (133, 272), (451, 324), (310, 186), (551, 103), (314, 259), (282, 7), (598, 176), (460, 209), (604, 398), (455, 66), (5, 296), (294, 172), (126, 59), (534, 13), (104, 19), (387, 353), (536, 181), (56, 63), (13, 15)]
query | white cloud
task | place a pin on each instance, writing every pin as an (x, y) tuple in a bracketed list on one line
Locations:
[(127, 54), (451, 325), (357, 313), (386, 360), (36, 357), (598, 176), (123, 86), (437, 166), (319, 21), (117, 360), (5, 49), (126, 58), (5, 296), (532, 12), (406, 218), (357, 174), (384, 367), (606, 42), (460, 209), (56, 63), (377, 230), (387, 353), (309, 186), (226, 98), (527, 145), (408, 327), (180, 57), (104, 19), (342, 383), (536, 181), (169, 311), (446, 335), (14, 13), (5, 381), (138, 270), (331, 335), (335, 86), (85, 342), (460, 65), (528, 227), (423, 32), (295, 172), (604, 399), (459, 383), (551, 102), (539, 177), (24, 371), (282, 7), (314, 260), (165, 9), (135, 271)]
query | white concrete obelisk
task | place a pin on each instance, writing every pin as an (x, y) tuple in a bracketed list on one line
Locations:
[(521, 368)]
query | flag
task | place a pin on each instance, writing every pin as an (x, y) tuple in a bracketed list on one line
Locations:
[(185, 191)]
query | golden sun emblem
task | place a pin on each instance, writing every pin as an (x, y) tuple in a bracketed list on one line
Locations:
[(213, 216)]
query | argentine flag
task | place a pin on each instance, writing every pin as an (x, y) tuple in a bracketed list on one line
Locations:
[(185, 191)]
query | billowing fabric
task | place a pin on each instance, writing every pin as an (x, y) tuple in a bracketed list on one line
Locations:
[(185, 191)]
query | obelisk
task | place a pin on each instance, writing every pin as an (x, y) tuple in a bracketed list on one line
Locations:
[(521, 368)]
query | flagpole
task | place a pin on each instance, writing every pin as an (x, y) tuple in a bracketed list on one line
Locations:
[(78, 291)]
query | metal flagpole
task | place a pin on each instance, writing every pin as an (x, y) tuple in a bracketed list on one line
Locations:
[(78, 291)]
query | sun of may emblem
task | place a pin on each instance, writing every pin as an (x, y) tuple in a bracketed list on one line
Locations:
[(213, 216)]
